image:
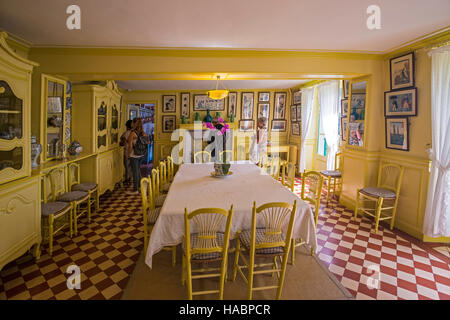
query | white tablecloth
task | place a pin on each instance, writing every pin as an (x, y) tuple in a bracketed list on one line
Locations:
[(193, 188)]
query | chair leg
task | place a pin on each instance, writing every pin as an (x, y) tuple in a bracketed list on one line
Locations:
[(223, 277), (51, 220), (189, 278), (97, 202), (75, 218), (394, 211), (293, 251), (251, 265), (236, 258), (174, 255), (334, 187), (355, 215), (89, 208), (71, 220), (183, 267), (283, 273), (377, 216), (328, 188)]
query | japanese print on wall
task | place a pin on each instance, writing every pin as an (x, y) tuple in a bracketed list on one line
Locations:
[(402, 71), (397, 134), (279, 105), (185, 104), (168, 123), (400, 103), (232, 104), (169, 103), (247, 105), (202, 103)]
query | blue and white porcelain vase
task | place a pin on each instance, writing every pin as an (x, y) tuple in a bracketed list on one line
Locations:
[(36, 150)]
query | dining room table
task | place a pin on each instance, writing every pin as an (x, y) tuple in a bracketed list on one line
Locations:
[(195, 186)]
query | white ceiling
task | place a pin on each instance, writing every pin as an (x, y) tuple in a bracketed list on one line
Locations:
[(207, 84), (254, 24)]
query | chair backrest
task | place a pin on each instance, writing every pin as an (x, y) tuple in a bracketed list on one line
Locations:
[(74, 175), (338, 161), (288, 175), (162, 173), (390, 176), (274, 215), (275, 167), (200, 156), (207, 222), (148, 201), (47, 194), (58, 182), (170, 168), (228, 156), (314, 181), (155, 183)]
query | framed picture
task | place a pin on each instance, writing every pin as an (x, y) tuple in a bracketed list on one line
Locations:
[(295, 128), (344, 128), (400, 103), (299, 113), (280, 105), (345, 86), (278, 125), (344, 107), (232, 103), (357, 106), (54, 105), (264, 96), (247, 105), (355, 133), (185, 104), (246, 125), (297, 97), (402, 71), (293, 113), (397, 136), (168, 123), (169, 104), (202, 103)]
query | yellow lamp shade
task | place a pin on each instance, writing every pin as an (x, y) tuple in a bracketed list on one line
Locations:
[(217, 94)]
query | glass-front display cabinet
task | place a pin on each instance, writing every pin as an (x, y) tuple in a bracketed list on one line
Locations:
[(102, 121), (357, 113), (114, 126), (53, 118)]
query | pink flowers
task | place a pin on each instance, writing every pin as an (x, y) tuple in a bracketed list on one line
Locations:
[(221, 126)]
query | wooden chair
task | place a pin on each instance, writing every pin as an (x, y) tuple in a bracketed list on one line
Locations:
[(228, 155), (334, 177), (170, 169), (79, 200), (266, 241), (274, 169), (150, 214), (89, 187), (157, 196), (314, 180), (288, 175), (200, 156), (207, 244), (55, 215), (163, 177), (384, 197)]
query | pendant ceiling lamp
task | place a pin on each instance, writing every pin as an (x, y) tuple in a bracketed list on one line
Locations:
[(218, 94)]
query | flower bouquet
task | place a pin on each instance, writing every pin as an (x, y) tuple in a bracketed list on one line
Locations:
[(218, 125)]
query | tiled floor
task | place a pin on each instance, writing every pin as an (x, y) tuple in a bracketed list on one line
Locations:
[(395, 265)]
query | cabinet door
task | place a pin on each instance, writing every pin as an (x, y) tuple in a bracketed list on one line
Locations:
[(105, 169), (118, 165), (114, 127), (101, 110)]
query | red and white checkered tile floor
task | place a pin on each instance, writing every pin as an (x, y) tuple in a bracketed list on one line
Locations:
[(395, 265), (387, 265)]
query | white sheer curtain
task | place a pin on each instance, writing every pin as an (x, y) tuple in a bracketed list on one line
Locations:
[(329, 116), (437, 213), (307, 107)]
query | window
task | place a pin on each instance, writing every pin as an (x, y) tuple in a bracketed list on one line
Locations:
[(321, 141)]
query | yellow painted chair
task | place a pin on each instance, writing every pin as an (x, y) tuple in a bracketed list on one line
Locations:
[(383, 197), (89, 187), (79, 200), (202, 157), (55, 215), (288, 175), (267, 241), (170, 169), (334, 177), (207, 244), (314, 180), (157, 196), (164, 177), (150, 214), (274, 169), (228, 155)]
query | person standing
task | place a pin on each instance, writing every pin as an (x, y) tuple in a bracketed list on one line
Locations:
[(137, 148), (124, 144), (259, 143)]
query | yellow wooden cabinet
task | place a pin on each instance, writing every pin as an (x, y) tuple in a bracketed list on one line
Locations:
[(15, 114), (109, 169), (96, 116)]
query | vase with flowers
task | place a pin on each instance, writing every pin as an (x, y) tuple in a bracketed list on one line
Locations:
[(220, 128)]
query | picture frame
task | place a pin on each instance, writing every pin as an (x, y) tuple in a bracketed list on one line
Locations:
[(264, 111), (264, 96), (185, 104), (279, 111), (402, 71), (401, 102), (344, 107), (344, 130), (297, 97), (295, 128), (278, 125), (355, 133), (357, 106), (169, 123), (246, 125), (169, 103), (247, 105), (202, 103), (299, 113), (293, 115), (397, 133), (232, 103), (345, 86)]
